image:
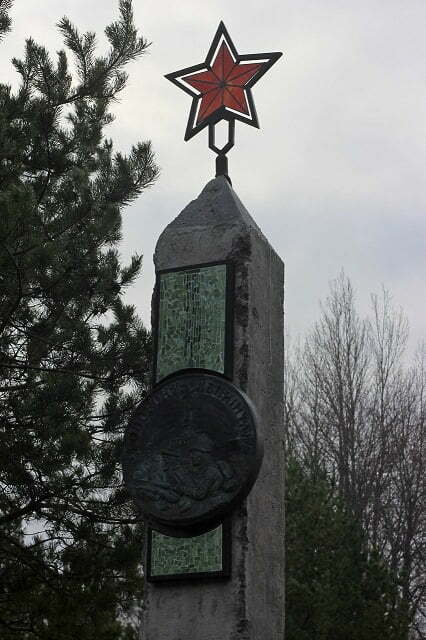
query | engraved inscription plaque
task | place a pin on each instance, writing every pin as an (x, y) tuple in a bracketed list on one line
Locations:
[(192, 320)]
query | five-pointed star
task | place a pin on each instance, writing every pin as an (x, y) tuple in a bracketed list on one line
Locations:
[(221, 86)]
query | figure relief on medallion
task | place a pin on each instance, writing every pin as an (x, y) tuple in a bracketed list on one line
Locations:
[(185, 472)]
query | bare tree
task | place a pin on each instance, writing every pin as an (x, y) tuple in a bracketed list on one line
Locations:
[(354, 408)]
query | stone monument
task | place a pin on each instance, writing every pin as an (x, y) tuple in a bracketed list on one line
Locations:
[(193, 451)]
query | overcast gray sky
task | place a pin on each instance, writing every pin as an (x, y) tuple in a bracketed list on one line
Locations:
[(335, 177)]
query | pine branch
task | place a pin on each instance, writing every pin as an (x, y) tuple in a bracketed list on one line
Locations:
[(27, 367), (18, 299), (5, 21)]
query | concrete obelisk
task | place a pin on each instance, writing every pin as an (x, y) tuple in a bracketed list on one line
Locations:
[(214, 563), (247, 604)]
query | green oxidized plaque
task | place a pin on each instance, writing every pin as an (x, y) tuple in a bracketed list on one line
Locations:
[(171, 556), (191, 328), (191, 333)]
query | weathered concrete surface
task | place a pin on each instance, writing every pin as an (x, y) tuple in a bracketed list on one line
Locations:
[(249, 606)]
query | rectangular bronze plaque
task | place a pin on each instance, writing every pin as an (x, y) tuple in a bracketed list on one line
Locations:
[(192, 318), (205, 556)]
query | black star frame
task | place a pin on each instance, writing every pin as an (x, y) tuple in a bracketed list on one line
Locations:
[(221, 86)]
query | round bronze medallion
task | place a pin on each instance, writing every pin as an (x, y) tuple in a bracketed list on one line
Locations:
[(191, 452)]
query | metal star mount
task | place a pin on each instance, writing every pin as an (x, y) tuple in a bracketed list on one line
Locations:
[(221, 90)]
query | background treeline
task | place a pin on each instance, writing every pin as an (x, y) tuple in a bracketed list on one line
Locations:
[(356, 441)]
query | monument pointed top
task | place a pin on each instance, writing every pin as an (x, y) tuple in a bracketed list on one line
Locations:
[(217, 204), (214, 220)]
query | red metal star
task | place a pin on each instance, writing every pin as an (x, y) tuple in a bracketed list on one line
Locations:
[(221, 86)]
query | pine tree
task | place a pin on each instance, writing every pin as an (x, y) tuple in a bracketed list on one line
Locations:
[(336, 589), (74, 358)]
